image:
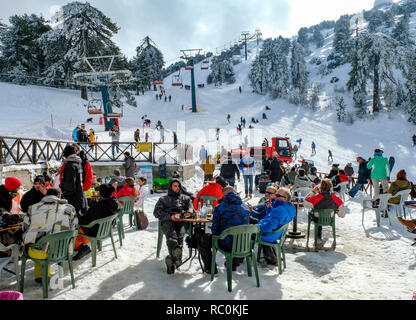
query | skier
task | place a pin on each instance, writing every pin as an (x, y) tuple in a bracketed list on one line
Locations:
[(264, 116), (228, 117), (157, 97), (239, 128), (299, 141), (182, 107), (218, 134), (414, 140), (330, 155), (166, 99), (170, 98), (313, 148), (244, 122), (239, 88)]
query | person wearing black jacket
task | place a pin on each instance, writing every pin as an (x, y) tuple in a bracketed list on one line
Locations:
[(82, 134), (275, 170), (364, 176), (229, 169), (106, 206), (71, 182), (168, 209), (34, 195)]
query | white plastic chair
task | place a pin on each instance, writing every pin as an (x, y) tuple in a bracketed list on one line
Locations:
[(404, 195), (343, 191), (382, 206), (14, 256)]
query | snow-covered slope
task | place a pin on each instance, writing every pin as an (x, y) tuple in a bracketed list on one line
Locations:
[(369, 262)]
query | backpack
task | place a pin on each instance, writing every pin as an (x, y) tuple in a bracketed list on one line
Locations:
[(142, 220)]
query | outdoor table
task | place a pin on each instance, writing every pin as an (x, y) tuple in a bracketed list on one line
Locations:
[(195, 222), (295, 234)]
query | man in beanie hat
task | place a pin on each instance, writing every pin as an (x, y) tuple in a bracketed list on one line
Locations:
[(106, 206), (71, 179), (7, 192), (168, 209), (34, 195)]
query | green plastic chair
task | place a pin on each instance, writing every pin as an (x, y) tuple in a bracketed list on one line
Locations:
[(325, 219), (58, 252), (105, 227), (160, 237), (278, 246), (127, 208), (242, 247)]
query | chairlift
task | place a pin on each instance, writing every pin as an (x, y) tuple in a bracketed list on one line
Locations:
[(94, 106), (204, 67), (157, 83), (115, 115), (189, 68), (177, 81)]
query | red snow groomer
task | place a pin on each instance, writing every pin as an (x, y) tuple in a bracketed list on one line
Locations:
[(281, 146)]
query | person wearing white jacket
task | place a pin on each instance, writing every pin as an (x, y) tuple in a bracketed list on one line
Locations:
[(144, 192)]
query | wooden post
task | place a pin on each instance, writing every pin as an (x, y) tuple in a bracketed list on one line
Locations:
[(34, 152), (1, 153)]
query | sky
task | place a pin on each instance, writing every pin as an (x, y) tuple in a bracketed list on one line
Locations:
[(203, 24)]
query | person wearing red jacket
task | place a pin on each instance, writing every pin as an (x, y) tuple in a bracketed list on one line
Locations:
[(128, 190), (211, 189), (340, 177)]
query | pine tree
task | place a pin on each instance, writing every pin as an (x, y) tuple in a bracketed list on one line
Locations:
[(410, 75), (342, 34), (303, 37), (401, 31), (317, 38), (148, 63), (299, 76), (22, 55), (80, 30), (340, 109), (221, 72)]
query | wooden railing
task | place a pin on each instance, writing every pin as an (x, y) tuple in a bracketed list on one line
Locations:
[(21, 150)]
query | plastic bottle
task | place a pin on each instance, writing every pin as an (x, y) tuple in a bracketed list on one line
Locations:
[(204, 212)]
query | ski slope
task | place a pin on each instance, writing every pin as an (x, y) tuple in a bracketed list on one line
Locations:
[(369, 262)]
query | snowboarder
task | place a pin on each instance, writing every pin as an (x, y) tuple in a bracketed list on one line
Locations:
[(251, 127), (239, 88), (264, 116), (313, 148), (330, 155)]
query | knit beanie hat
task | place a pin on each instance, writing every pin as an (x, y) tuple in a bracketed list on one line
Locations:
[(69, 149), (12, 183), (40, 179)]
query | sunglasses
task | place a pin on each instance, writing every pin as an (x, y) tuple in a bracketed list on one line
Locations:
[(280, 196), (268, 192)]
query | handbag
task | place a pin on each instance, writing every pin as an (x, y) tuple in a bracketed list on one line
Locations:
[(142, 220)]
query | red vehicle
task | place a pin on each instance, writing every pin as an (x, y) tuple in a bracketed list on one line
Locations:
[(279, 145)]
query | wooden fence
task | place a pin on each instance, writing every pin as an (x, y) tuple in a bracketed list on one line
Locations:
[(21, 150)]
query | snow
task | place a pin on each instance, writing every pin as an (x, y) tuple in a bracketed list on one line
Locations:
[(368, 263)]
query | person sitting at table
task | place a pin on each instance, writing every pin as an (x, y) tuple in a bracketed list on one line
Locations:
[(279, 211), (259, 212), (213, 188), (128, 189), (34, 195), (401, 183), (51, 215), (323, 198), (168, 209), (8, 191), (301, 180), (105, 206), (339, 178), (143, 192), (229, 213)]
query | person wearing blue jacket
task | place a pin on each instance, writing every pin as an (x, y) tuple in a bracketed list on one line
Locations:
[(259, 211), (75, 133), (279, 212), (229, 213)]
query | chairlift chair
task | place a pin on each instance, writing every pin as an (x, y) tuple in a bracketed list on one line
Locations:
[(177, 81), (94, 107), (189, 68)]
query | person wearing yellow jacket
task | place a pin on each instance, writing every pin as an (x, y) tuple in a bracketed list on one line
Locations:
[(91, 138), (209, 167)]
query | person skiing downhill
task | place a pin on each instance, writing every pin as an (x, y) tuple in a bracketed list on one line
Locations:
[(330, 155), (228, 118), (313, 148)]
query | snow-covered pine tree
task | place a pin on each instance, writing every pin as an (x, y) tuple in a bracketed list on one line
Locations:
[(410, 75), (342, 34), (221, 72), (278, 69), (78, 30), (258, 75), (22, 56), (148, 63), (340, 109), (401, 31), (303, 37), (298, 73), (317, 37)]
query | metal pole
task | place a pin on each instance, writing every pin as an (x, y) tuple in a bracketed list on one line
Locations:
[(193, 87)]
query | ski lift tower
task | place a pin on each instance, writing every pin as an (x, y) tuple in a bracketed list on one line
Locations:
[(104, 79), (189, 54)]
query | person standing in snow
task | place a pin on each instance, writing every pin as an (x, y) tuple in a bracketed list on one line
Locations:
[(313, 148), (414, 140), (75, 133), (330, 155), (248, 169), (239, 88), (228, 116), (115, 137), (203, 154), (162, 134), (295, 151), (170, 98), (137, 135), (129, 164), (380, 173), (264, 116)]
